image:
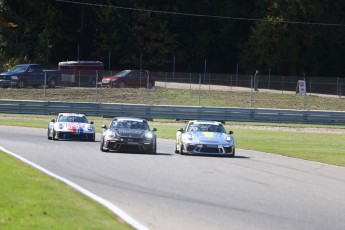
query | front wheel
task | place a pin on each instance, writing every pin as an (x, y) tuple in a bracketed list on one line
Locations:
[(21, 84), (52, 83), (54, 136), (233, 152), (122, 85), (154, 150), (48, 134), (182, 151), (102, 148), (93, 137), (176, 150)]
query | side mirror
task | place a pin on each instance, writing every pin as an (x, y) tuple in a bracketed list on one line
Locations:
[(52, 120), (91, 122), (231, 132), (104, 126), (154, 130), (180, 129)]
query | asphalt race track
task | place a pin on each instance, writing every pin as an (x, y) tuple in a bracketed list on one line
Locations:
[(168, 191)]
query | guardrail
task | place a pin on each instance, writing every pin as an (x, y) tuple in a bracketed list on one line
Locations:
[(176, 112)]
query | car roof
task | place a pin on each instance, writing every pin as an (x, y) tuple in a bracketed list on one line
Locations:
[(26, 65), (129, 119), (72, 114), (204, 122)]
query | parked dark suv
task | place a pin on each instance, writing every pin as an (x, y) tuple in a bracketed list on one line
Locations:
[(129, 78)]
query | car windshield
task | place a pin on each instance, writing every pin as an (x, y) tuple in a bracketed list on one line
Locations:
[(122, 73), (77, 119), (129, 124), (206, 128), (18, 68)]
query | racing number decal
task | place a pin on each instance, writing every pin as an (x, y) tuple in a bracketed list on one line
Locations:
[(208, 134)]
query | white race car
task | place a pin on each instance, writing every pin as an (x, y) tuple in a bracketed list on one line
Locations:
[(205, 138), (71, 126)]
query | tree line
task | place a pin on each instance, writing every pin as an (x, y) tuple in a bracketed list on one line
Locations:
[(286, 37)]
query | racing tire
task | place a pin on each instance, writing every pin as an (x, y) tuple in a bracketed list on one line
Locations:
[(176, 150), (122, 85), (93, 138), (181, 150), (233, 153), (49, 137), (154, 150), (21, 84), (54, 136), (101, 147)]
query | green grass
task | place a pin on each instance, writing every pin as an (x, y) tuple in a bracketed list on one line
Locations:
[(32, 200), (320, 147), (163, 96)]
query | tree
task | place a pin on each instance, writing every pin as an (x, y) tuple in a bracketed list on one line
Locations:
[(293, 39), (34, 31)]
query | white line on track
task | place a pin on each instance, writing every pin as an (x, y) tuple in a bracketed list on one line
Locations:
[(96, 198)]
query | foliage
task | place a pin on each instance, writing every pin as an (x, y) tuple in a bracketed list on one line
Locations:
[(285, 37)]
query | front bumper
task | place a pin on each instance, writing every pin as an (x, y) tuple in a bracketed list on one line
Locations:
[(129, 145), (75, 136), (7, 83), (105, 83), (209, 149)]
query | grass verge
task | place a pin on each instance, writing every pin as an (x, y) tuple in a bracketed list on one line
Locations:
[(32, 200)]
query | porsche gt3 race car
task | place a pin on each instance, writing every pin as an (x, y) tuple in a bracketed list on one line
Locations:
[(206, 138), (71, 126), (128, 135)]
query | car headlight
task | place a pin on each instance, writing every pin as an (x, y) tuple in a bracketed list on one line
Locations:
[(228, 138), (111, 134), (90, 128), (14, 77), (190, 137), (149, 135)]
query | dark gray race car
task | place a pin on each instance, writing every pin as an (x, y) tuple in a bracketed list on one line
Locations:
[(128, 135)]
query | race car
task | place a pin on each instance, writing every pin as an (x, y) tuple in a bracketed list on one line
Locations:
[(205, 138), (128, 135), (70, 126)]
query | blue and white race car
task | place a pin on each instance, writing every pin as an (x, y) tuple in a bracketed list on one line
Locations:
[(206, 138), (71, 126)]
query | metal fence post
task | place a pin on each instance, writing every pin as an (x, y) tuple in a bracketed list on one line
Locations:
[(45, 85), (190, 81), (166, 79), (199, 87)]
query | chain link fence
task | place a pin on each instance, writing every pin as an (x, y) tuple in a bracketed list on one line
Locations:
[(288, 84), (201, 89)]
